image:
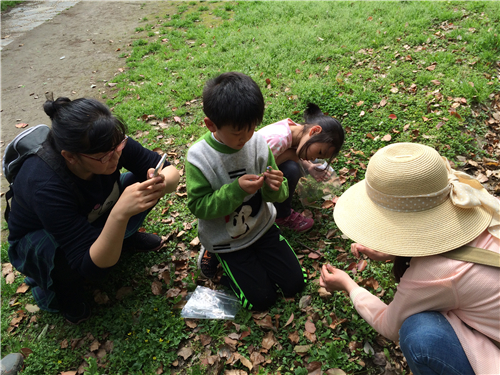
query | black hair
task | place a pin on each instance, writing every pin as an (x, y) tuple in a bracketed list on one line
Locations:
[(401, 264), (233, 99), (83, 126), (332, 132)]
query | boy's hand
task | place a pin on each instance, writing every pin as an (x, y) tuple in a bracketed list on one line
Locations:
[(251, 183), (274, 178)]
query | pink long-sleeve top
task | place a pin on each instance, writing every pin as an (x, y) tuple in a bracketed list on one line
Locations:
[(467, 294)]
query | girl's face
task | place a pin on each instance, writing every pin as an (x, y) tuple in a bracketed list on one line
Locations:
[(317, 150)]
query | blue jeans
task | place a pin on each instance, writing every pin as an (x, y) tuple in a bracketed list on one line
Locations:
[(431, 346)]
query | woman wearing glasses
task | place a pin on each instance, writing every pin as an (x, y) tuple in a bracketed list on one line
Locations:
[(65, 230)]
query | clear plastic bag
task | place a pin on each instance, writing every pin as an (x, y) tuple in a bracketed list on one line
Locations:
[(311, 192), (206, 303)]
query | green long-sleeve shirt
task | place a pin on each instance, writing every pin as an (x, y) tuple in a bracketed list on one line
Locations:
[(229, 218)]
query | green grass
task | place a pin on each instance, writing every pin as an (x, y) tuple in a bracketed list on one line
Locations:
[(344, 56), (7, 4)]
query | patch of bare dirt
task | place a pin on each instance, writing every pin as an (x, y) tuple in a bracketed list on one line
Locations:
[(72, 55)]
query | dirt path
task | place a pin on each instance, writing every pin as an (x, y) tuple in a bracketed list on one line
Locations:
[(88, 36)]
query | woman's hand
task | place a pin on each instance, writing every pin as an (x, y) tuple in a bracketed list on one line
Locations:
[(273, 178), (251, 183), (334, 279), (139, 197), (357, 248), (170, 178)]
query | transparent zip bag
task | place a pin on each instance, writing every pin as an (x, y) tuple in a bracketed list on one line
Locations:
[(312, 190), (205, 303)]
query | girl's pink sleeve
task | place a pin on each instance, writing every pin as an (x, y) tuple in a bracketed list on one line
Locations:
[(277, 144)]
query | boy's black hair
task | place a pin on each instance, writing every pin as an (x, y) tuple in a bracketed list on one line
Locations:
[(233, 99), (83, 125), (332, 132)]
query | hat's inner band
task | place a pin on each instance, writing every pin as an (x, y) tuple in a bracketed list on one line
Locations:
[(409, 203)]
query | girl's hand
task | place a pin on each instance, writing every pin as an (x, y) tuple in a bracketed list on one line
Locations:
[(274, 178), (319, 174), (138, 197), (334, 279), (357, 248), (251, 183)]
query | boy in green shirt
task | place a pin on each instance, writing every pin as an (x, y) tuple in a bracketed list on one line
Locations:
[(232, 180)]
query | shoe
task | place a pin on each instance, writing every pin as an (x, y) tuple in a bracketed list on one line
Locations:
[(79, 315), (296, 222), (207, 263), (142, 242), (11, 364)]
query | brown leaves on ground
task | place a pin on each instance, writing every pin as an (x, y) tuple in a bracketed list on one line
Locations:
[(8, 273)]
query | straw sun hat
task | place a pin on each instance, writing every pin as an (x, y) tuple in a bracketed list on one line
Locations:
[(412, 204)]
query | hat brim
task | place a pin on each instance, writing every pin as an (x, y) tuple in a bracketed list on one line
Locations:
[(434, 231)]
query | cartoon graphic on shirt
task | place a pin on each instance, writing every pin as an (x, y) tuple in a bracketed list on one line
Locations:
[(99, 210), (242, 220)]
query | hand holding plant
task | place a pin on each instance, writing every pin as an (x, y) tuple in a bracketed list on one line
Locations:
[(273, 178), (357, 248), (250, 183), (334, 279)]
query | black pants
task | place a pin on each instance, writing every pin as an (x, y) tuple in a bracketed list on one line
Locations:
[(291, 170), (258, 271)]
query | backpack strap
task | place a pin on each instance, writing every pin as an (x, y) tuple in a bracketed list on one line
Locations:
[(56, 162), (474, 255)]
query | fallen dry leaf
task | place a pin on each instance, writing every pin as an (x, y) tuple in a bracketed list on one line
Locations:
[(305, 301), (294, 337), (269, 340), (310, 336), (95, 345), (256, 358), (323, 293), (335, 371), (266, 323), (21, 125), (100, 298), (156, 287), (123, 292), (290, 320), (386, 138), (310, 326), (32, 308), (23, 288), (302, 349), (185, 352), (205, 340)]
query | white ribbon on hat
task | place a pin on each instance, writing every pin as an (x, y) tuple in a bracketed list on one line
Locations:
[(467, 192)]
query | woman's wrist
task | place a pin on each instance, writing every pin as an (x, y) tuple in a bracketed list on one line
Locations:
[(350, 285)]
